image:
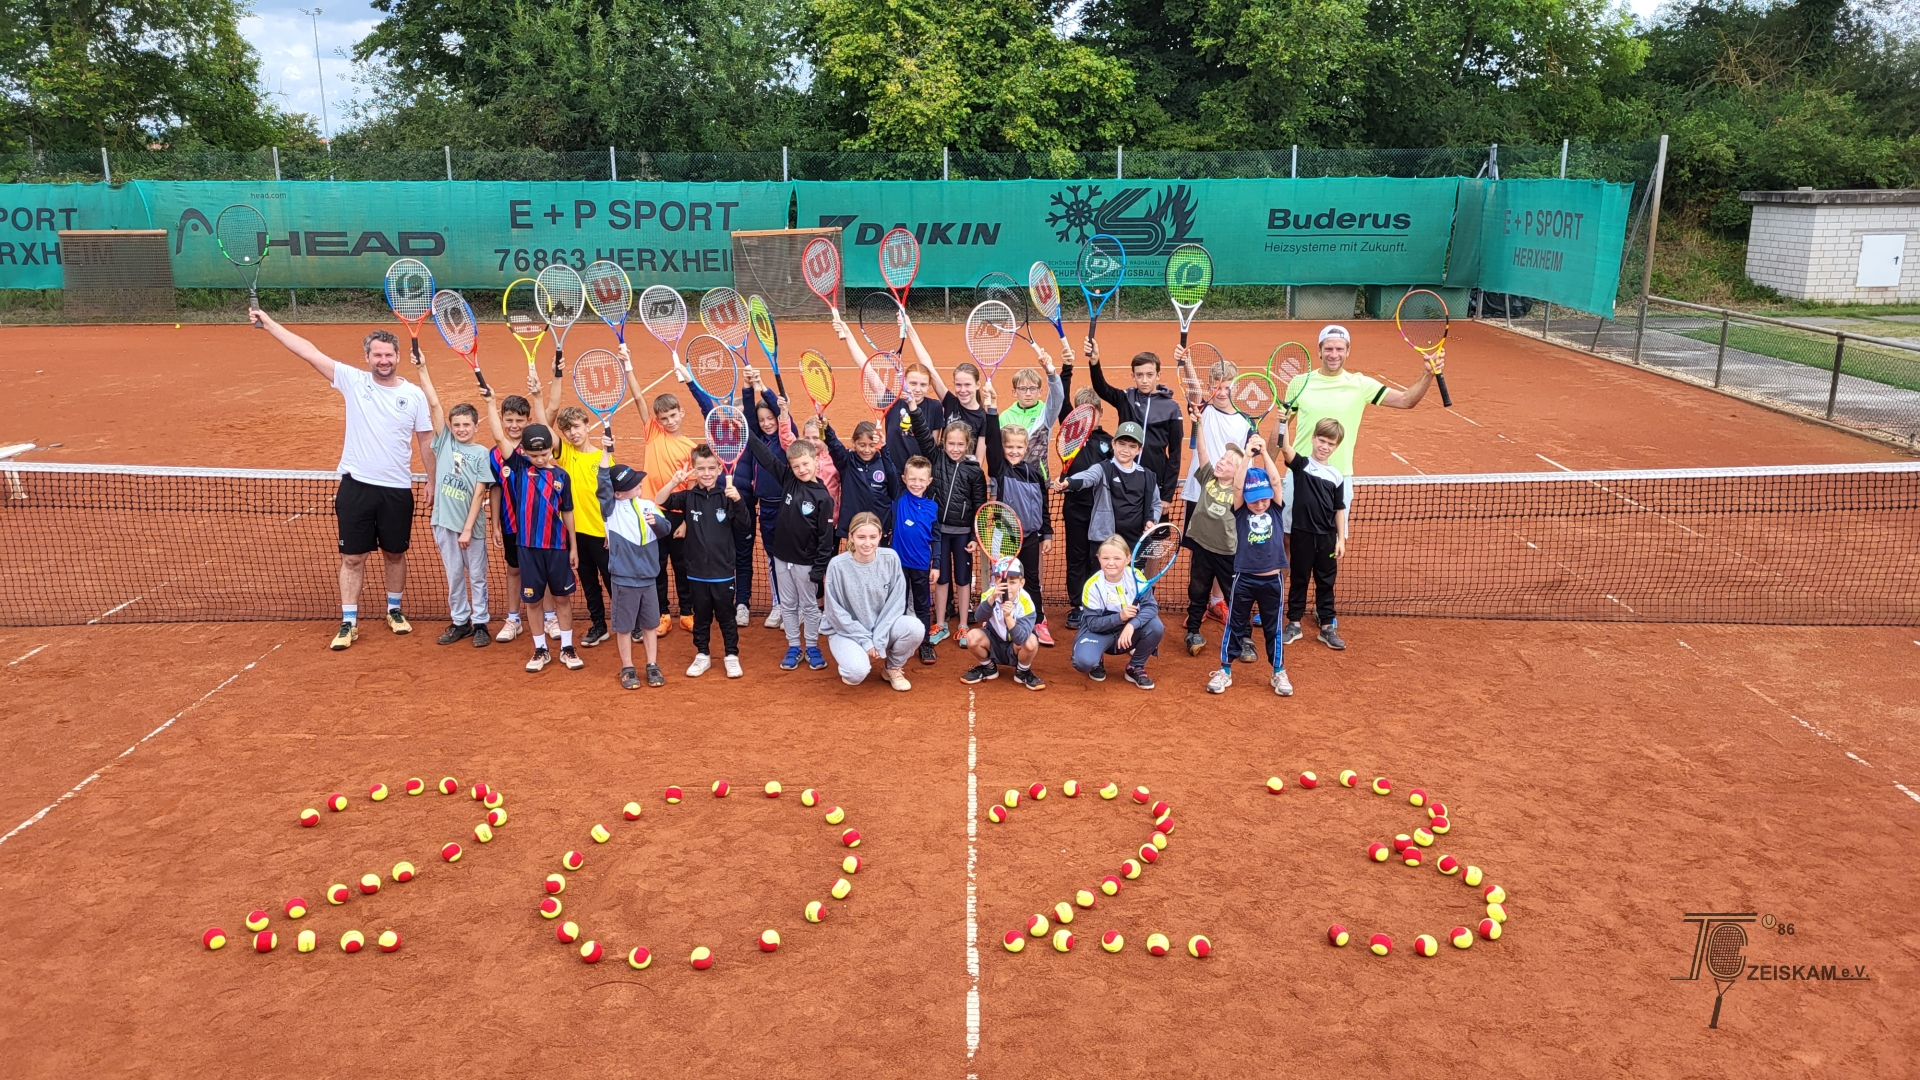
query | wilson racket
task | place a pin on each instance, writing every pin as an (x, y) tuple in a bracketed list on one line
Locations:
[(664, 314), (1206, 370), (1189, 273), (882, 381), (1254, 396), (562, 296), (523, 318), (882, 323), (990, 329), (1288, 361), (997, 531), (454, 319), (1072, 433), (820, 264), (1725, 962), (241, 232), (1103, 264), (1424, 326), (600, 382), (710, 363), (819, 379), (768, 335), (610, 294), (1044, 288), (1156, 551), (899, 262), (727, 436), (723, 313), (410, 295)]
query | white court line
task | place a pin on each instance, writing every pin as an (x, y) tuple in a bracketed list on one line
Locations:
[(1407, 463), (1911, 794), (973, 856), (28, 655), (1822, 735), (1553, 463), (75, 790)]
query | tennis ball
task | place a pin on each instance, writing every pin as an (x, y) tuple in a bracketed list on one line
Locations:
[(1378, 852), (1461, 937), (1381, 944), (1159, 841), (850, 865), (296, 908), (403, 871), (338, 894), (1063, 941), (214, 938), (836, 815), (567, 932), (1084, 898), (1473, 875), (309, 817), (773, 789), (1110, 885), (176, 326), (1038, 926), (1157, 944), (1490, 929), (639, 958), (483, 832), (494, 799), (479, 792), (1149, 853), (369, 884), (556, 884), (1449, 865), (841, 888), (1011, 798), (1163, 827), (336, 802), (1494, 894), (769, 940), (1347, 777), (256, 919), (497, 816), (1070, 788), (1130, 869), (1275, 785), (631, 811), (1411, 856), (305, 941), (1037, 791), (1382, 786), (1423, 837), (389, 940), (1199, 947), (1417, 797), (674, 795), (1425, 945), (414, 785), (265, 942), (377, 792), (1112, 941), (1014, 941), (1338, 936), (816, 911), (851, 838), (448, 785), (1141, 795), (702, 958), (1497, 912), (1401, 842), (1063, 912), (600, 834), (573, 860), (591, 952), (720, 789), (1309, 780), (1160, 809), (809, 797), (1110, 790), (550, 907), (1439, 826), (996, 813), (352, 941), (1436, 809)]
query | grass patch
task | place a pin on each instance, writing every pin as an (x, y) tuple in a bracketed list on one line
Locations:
[(1890, 367)]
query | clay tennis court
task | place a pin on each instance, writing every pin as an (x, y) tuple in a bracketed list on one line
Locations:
[(1612, 777)]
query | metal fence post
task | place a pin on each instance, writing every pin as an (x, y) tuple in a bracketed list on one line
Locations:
[(1833, 389), (105, 165), (613, 165), (1653, 232), (1546, 319), (1564, 144), (1119, 163), (945, 162), (276, 163), (1293, 172), (783, 164), (1493, 161), (1720, 361), (449, 152)]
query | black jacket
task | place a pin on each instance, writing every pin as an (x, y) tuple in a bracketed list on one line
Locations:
[(859, 488), (711, 519), (803, 528), (960, 487), (1159, 415)]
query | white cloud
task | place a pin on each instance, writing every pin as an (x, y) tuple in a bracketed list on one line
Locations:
[(284, 38)]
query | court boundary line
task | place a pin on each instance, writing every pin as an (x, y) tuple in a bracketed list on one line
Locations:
[(973, 883)]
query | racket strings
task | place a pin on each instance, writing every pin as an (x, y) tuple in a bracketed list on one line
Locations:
[(410, 289), (1074, 430), (1724, 960), (882, 380), (1103, 262), (1045, 290), (1253, 394), (664, 313), (599, 381), (559, 295), (820, 263), (711, 364), (1157, 551), (724, 315), (881, 322), (899, 259), (726, 431), (997, 529), (523, 311), (989, 333), (454, 319), (818, 378), (608, 291), (761, 319), (241, 232), (1189, 274)]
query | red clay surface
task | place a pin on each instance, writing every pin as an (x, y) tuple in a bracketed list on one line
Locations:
[(1611, 777)]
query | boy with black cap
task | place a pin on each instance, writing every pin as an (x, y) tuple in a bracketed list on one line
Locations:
[(634, 529), (541, 495), (1126, 495), (1259, 555)]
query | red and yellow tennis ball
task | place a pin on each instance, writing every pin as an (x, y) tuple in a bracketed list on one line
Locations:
[(265, 942), (850, 864), (377, 792), (835, 816), (1449, 865), (1112, 941), (815, 911), (631, 811), (591, 952), (369, 884), (1490, 929), (639, 959), (1347, 776), (305, 941), (1011, 799), (1275, 785), (336, 802), (1038, 926), (1071, 789), (996, 813), (1494, 894), (309, 817), (497, 816), (1382, 786), (674, 795), (1380, 944), (556, 884), (1497, 912), (1063, 912), (1158, 945), (414, 785), (1436, 809), (1199, 947), (1417, 797), (1423, 837), (573, 860), (1149, 854), (1378, 852), (338, 894), (1472, 876), (1439, 826), (1411, 856), (1461, 937), (720, 789), (841, 888), (352, 941), (769, 940), (296, 908), (1014, 941), (483, 832), (702, 958), (809, 797), (567, 932), (1130, 869), (1063, 940), (772, 789), (1309, 780), (480, 792), (214, 938), (1425, 945), (1084, 898), (450, 852), (1141, 795), (850, 837), (1037, 791), (448, 785), (389, 940), (1110, 885), (550, 907), (1401, 842), (1110, 791), (494, 798), (600, 834), (256, 919), (1337, 935), (1160, 809), (403, 871)]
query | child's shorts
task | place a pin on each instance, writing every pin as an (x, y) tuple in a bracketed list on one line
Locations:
[(635, 608), (543, 571)]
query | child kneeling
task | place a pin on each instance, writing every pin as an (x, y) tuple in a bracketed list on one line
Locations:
[(1118, 616)]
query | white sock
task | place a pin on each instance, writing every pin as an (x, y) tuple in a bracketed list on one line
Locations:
[(566, 639), (539, 642)]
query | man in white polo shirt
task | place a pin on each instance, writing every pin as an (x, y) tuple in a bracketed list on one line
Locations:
[(387, 417)]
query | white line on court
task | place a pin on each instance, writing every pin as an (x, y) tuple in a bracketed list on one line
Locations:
[(28, 655), (1407, 463), (1911, 794), (1553, 463), (973, 855), (1822, 735), (75, 790)]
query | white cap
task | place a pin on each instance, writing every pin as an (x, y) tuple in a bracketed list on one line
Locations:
[(1334, 330)]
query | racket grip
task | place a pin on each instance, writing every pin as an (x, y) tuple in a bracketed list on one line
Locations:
[(779, 383), (482, 379), (1446, 399), (559, 364)]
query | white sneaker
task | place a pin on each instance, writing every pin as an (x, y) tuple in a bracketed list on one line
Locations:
[(773, 620), (1281, 684), (897, 678), (552, 625), (509, 631), (741, 616), (699, 667), (732, 664), (1222, 678)]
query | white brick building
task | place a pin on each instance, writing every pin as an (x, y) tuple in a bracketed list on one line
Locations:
[(1856, 247)]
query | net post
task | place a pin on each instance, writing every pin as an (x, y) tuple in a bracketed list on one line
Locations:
[(105, 165), (1833, 388), (1720, 361), (1653, 232), (449, 152), (613, 165), (276, 163)]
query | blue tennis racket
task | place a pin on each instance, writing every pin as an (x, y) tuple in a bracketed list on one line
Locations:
[(1103, 263)]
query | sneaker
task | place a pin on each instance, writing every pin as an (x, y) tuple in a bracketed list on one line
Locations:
[(1217, 611), (1029, 678), (1099, 673), (732, 664), (1138, 677), (897, 678), (960, 639), (666, 625), (347, 635), (772, 621), (1222, 679), (552, 624), (741, 616), (814, 659), (686, 622), (927, 655), (629, 679), (654, 678), (1281, 684), (1046, 636), (509, 630), (539, 661), (454, 633), (1291, 634), (980, 673), (699, 666), (1247, 655), (1073, 619), (1330, 637), (397, 622), (792, 659), (482, 637), (570, 659), (1256, 618), (1194, 644), (595, 635), (939, 634)]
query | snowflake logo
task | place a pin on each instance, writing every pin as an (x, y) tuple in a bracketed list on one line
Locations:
[(1074, 220)]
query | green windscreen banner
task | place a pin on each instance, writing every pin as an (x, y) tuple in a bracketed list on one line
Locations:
[(1554, 240)]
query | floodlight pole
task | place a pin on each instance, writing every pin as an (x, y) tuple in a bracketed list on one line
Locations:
[(1653, 232)]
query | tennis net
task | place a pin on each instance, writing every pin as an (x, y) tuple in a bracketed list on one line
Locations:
[(1826, 544)]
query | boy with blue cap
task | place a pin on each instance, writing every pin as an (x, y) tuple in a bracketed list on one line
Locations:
[(1259, 556)]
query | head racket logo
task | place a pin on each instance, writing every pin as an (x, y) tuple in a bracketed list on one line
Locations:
[(1147, 221)]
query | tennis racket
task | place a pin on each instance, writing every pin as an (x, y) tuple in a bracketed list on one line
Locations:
[(1189, 273), (1001, 287), (664, 314), (241, 232), (764, 331), (990, 329), (523, 318), (1725, 962), (1156, 550), (727, 436), (600, 382), (1044, 288), (998, 533), (454, 319), (820, 264), (882, 382), (819, 379), (1072, 433), (562, 296), (882, 322), (1424, 326), (410, 295), (723, 313), (711, 365), (1288, 361), (1206, 370), (1254, 396), (1103, 263), (610, 294), (899, 262)]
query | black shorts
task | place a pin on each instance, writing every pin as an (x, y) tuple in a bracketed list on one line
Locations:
[(543, 571), (507, 542), (372, 517)]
